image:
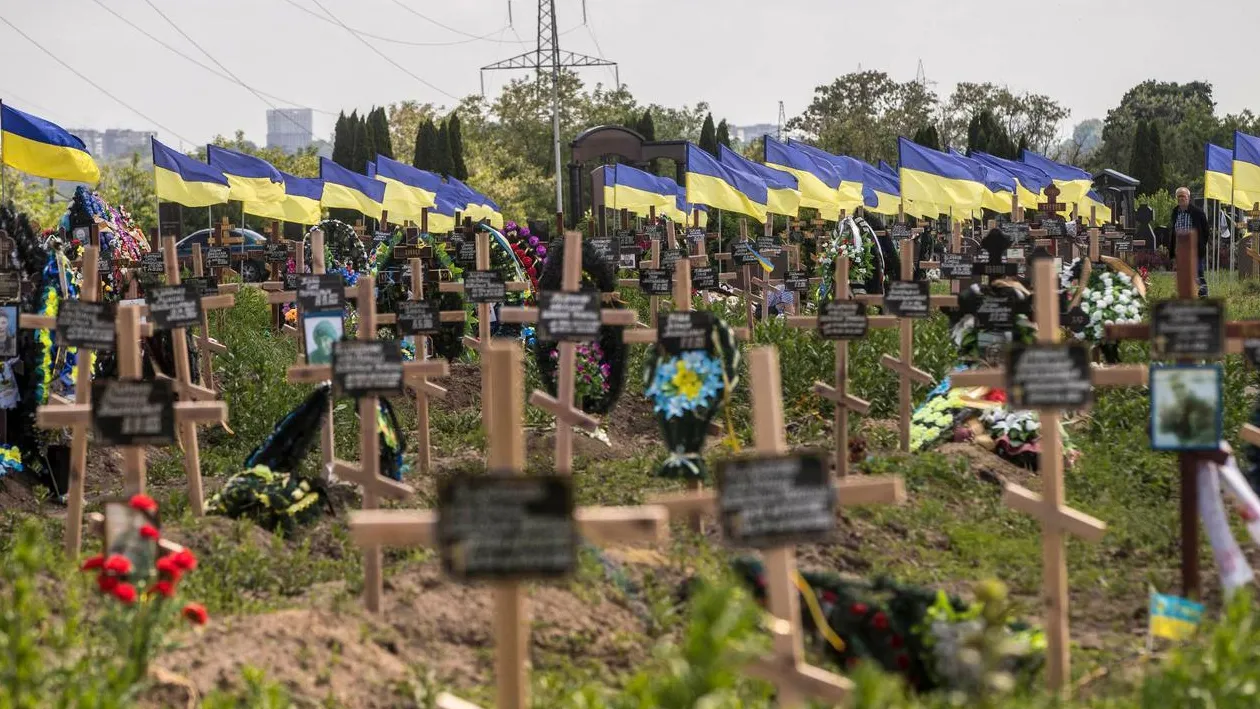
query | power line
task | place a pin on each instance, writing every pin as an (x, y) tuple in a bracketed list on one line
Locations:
[(95, 85), (364, 33), (381, 54), (220, 64), (196, 61), (456, 30), (27, 102)]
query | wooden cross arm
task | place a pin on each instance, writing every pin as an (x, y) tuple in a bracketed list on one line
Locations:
[(995, 378), (900, 367), (211, 344), (607, 316), (192, 391), (601, 525), (1250, 434), (1238, 330), (848, 401), (810, 321), (806, 679), (567, 414), (511, 286), (315, 373), (452, 316), (850, 492), (229, 287), (423, 386), (29, 321), (281, 297), (373, 483), (1069, 520), (222, 301), (81, 414)]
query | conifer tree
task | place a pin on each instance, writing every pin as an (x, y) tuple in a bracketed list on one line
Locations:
[(708, 136), (459, 168)]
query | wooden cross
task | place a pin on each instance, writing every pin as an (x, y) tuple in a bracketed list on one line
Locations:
[(654, 261), (839, 393), (561, 406), (366, 472), (207, 346), (1254, 213), (1057, 519), (421, 386), (1188, 462), (503, 416), (904, 366), (78, 416)]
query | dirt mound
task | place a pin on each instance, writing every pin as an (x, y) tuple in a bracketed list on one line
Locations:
[(463, 387), (986, 465)]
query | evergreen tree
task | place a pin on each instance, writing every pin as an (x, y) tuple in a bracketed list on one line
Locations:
[(984, 133), (360, 155), (928, 137), (1147, 161), (723, 134), (646, 127), (1023, 145), (444, 150), (342, 140), (379, 124), (459, 168), (977, 138), (708, 136), (426, 147)]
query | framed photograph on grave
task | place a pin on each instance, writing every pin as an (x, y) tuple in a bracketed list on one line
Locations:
[(1187, 407), (8, 331), (628, 260), (123, 536), (321, 330)]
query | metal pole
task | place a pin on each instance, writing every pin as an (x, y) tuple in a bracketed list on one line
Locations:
[(555, 107)]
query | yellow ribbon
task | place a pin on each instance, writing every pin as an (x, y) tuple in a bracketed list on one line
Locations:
[(815, 610)]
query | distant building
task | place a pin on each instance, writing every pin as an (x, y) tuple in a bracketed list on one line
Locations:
[(114, 143), (289, 129), (747, 134)]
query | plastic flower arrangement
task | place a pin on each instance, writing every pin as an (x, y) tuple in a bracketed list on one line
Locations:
[(935, 420), (591, 374), (10, 460), (849, 241), (272, 499), (686, 391)]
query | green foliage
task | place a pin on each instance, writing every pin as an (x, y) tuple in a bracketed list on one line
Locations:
[(862, 114), (1161, 203), (459, 167), (378, 130), (985, 134), (708, 136), (258, 693), (723, 134), (426, 155), (443, 162), (1147, 164), (928, 137), (1033, 117), (645, 126)]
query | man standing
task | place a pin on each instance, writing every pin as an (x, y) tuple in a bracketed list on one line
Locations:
[(1188, 217)]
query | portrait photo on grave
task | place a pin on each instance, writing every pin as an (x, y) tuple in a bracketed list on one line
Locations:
[(8, 331), (322, 329), (1187, 407), (126, 536)]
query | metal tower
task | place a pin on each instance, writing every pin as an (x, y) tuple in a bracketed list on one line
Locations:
[(782, 121), (548, 57)]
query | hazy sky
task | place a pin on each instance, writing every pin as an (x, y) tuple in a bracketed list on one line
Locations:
[(670, 52)]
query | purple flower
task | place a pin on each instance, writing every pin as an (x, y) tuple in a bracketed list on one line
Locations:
[(532, 241), (542, 250)]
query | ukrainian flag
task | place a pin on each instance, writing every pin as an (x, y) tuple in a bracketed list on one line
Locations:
[(932, 176), (639, 190), (886, 168), (1218, 175), (300, 204), (345, 189), (1072, 182), (180, 179), (782, 193), (1246, 168), (250, 179), (1173, 617), (43, 149), (407, 189), (477, 205), (849, 170), (708, 182), (881, 191), (999, 187), (817, 180), (1102, 213), (447, 202), (1029, 181)]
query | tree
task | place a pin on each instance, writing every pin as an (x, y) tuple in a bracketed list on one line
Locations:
[(379, 126), (342, 140), (444, 161), (927, 137), (984, 133), (723, 134), (708, 136), (1183, 113), (1035, 117), (645, 126), (1079, 149), (405, 119), (458, 167), (426, 157), (1147, 165), (360, 154), (862, 114)]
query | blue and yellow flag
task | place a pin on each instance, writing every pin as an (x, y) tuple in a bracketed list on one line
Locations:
[(881, 191), (637, 190), (817, 180), (407, 189), (250, 179), (783, 195), (345, 189), (1246, 168), (300, 204), (1091, 200), (1029, 181), (447, 202), (44, 149), (708, 182), (1072, 182), (1218, 174), (476, 205), (849, 192), (183, 180), (1173, 617), (931, 176), (886, 168), (999, 186)]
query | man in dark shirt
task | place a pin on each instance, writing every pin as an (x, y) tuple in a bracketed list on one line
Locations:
[(1188, 217)]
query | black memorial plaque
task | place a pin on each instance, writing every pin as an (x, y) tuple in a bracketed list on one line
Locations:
[(670, 257), (404, 253), (996, 313), (484, 287), (1253, 225), (1054, 226), (767, 242), (742, 253), (367, 367), (292, 280), (908, 299), (956, 266), (842, 320), (133, 413), (656, 281), (419, 317), (381, 237), (218, 257), (899, 231), (1001, 269), (1048, 376), (206, 285), (500, 526), (152, 262), (678, 332), (322, 292), (10, 285), (276, 252), (769, 502), (1188, 328), (608, 249), (627, 237), (466, 253), (695, 234), (1251, 348), (88, 325), (1015, 231), (796, 281), (1123, 245), (564, 316), (704, 278), (174, 306)]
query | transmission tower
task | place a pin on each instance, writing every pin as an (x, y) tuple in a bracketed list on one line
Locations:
[(782, 121), (920, 77), (548, 57)]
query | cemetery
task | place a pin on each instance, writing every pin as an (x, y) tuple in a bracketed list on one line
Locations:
[(793, 431)]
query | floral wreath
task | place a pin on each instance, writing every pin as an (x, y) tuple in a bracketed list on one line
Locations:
[(529, 250), (859, 248), (601, 365), (1109, 298), (448, 343), (687, 390), (344, 252), (120, 239)]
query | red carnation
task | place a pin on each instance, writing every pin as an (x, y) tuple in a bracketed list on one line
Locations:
[(106, 583), (144, 503), (903, 661), (895, 641), (997, 395), (148, 531), (830, 597), (125, 592), (879, 621), (93, 562), (118, 564), (196, 614), (165, 589), (858, 609), (166, 565), (184, 560)]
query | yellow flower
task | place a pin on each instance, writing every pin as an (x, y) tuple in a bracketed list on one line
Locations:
[(686, 381)]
